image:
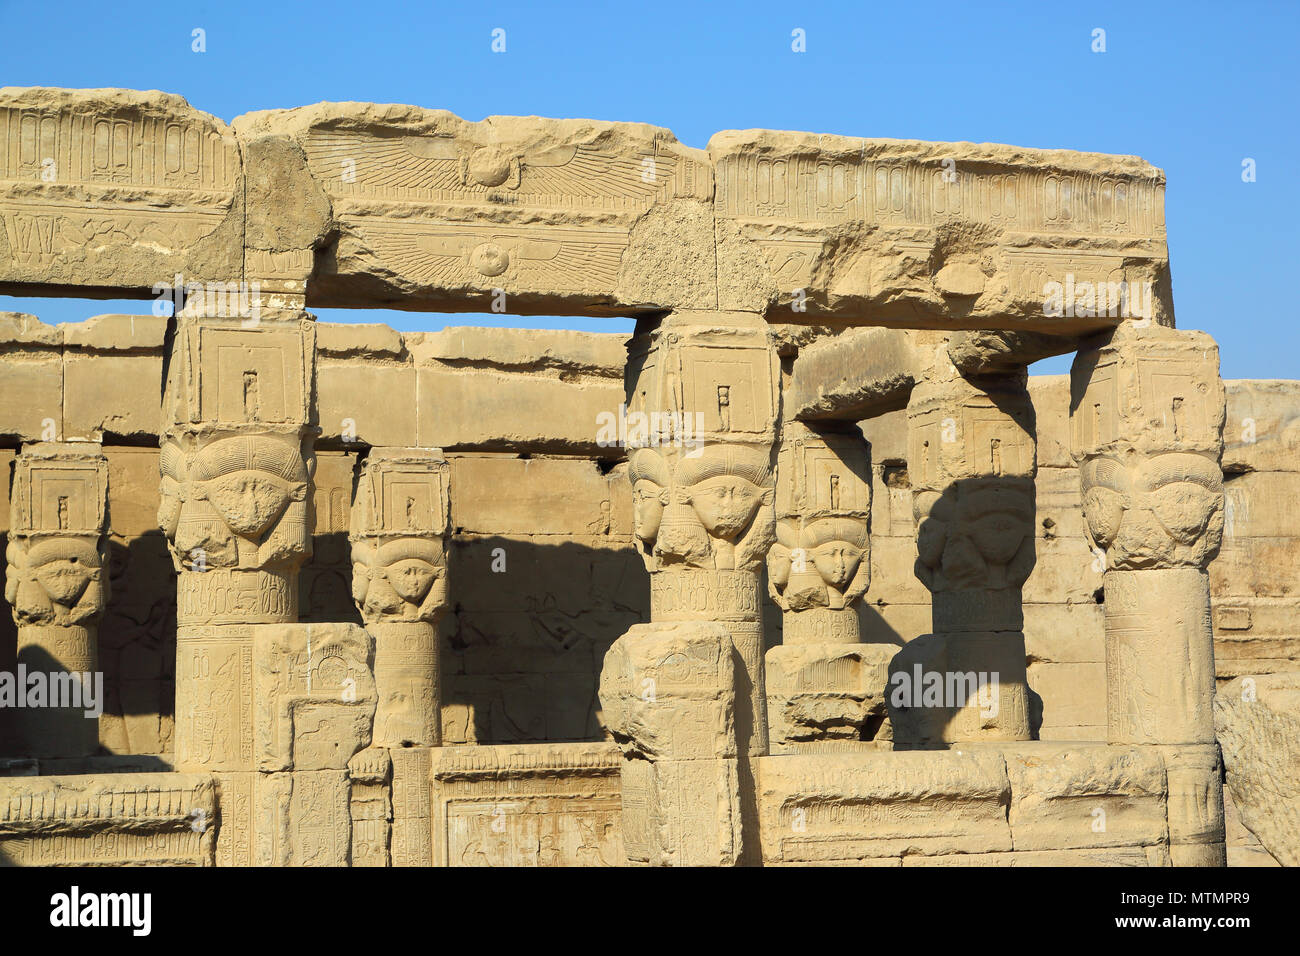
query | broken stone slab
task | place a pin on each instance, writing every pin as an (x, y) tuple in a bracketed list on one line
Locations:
[(854, 806), (1085, 796), (934, 235), (668, 691), (115, 190), (1258, 729), (824, 693), (857, 374), (974, 353)]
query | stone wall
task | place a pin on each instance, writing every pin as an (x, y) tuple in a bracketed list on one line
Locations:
[(546, 576)]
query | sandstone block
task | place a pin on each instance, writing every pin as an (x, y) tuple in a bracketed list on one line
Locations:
[(434, 210), (843, 807), (116, 189), (314, 695), (541, 805), (1086, 796), (546, 496), (1257, 727), (1261, 431), (824, 692), (859, 373), (163, 819), (961, 235), (668, 691)]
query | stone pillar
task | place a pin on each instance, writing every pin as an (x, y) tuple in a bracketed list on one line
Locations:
[(701, 423), (669, 694), (971, 458), (57, 585), (399, 524), (236, 460), (1146, 412), (823, 683)]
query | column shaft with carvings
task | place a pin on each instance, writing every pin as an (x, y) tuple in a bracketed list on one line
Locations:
[(823, 683), (669, 694), (398, 532), (702, 411), (236, 460), (1146, 412), (702, 416), (971, 452), (57, 585)]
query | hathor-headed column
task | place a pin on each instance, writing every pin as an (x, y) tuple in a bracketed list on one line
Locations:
[(236, 460), (1147, 410), (823, 683), (57, 584), (399, 581), (702, 423), (685, 694), (971, 454)]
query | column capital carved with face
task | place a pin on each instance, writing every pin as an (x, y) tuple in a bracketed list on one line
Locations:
[(399, 523), (702, 475), (57, 559), (236, 445), (971, 458), (823, 507), (1146, 417)]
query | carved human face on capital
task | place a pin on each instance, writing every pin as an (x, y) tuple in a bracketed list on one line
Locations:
[(399, 580), (648, 500), (837, 562), (650, 477), (412, 579), (1158, 511), (249, 489), (976, 535), (726, 504), (57, 581), (250, 502)]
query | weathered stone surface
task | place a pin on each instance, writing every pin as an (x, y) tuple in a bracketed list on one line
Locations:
[(1086, 796), (541, 805), (494, 576), (857, 374), (546, 496), (668, 692), (314, 695), (116, 189), (824, 692), (976, 353), (843, 807), (1261, 431), (422, 207), (1257, 725), (933, 234), (161, 819)]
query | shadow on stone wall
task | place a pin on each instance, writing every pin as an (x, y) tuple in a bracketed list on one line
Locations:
[(976, 547)]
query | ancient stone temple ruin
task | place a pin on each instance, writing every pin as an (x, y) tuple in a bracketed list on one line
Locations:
[(807, 570)]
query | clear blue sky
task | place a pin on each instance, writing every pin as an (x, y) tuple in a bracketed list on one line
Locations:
[(1193, 87)]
